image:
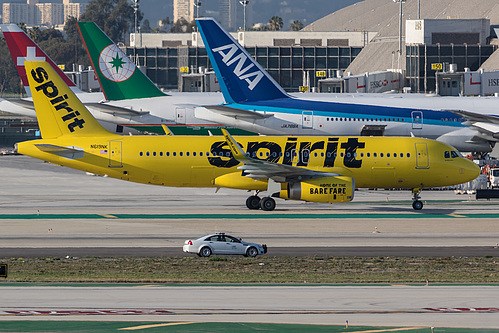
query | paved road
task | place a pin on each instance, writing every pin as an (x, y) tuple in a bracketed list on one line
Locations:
[(436, 306), (371, 251)]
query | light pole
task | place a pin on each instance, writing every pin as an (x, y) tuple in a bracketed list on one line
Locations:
[(135, 6), (244, 3), (197, 4), (400, 25)]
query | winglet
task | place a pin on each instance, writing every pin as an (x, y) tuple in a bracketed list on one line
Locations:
[(235, 149), (22, 48), (241, 78), (119, 77)]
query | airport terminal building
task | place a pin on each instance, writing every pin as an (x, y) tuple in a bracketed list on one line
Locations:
[(285, 55), (356, 40)]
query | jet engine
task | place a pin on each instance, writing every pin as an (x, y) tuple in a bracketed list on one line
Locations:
[(325, 189)]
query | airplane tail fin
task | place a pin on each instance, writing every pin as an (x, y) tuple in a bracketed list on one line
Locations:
[(241, 78), (58, 110), (118, 75), (22, 48)]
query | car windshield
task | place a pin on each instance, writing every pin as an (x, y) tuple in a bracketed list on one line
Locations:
[(232, 239)]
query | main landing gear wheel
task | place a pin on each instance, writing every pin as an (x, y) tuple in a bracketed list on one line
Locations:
[(267, 204), (253, 202), (417, 205)]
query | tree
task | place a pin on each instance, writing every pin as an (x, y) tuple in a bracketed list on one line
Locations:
[(114, 17), (183, 26), (275, 23), (296, 26), (10, 82), (146, 26)]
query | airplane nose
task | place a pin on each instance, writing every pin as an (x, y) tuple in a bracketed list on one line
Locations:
[(469, 170)]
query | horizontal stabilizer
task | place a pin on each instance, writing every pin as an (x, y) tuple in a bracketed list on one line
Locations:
[(236, 113), (66, 152), (23, 103), (115, 110)]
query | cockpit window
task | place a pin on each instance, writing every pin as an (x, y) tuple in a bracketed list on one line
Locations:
[(451, 154)]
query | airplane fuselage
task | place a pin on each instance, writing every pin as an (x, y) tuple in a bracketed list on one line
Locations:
[(198, 161)]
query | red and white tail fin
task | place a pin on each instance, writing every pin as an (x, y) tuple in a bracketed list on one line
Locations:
[(22, 49)]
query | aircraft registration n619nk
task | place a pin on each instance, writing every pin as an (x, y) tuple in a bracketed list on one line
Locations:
[(316, 169)]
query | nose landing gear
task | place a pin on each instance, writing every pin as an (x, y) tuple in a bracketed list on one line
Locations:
[(416, 203)]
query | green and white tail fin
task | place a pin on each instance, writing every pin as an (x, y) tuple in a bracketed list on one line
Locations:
[(58, 110), (117, 74)]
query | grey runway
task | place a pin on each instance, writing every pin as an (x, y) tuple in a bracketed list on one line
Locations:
[(356, 251), (438, 306)]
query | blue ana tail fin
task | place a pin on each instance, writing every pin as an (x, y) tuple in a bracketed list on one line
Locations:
[(241, 78)]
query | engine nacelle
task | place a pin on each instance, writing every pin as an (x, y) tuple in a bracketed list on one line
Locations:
[(240, 182), (326, 189)]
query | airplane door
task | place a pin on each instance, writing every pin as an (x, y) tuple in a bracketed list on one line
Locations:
[(422, 161), (180, 115), (308, 119), (417, 119), (115, 158)]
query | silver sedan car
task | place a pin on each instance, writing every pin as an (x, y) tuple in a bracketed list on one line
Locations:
[(223, 244)]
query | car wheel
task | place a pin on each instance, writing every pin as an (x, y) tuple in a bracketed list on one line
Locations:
[(205, 252), (252, 252)]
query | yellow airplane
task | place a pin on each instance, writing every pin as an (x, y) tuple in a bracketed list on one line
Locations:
[(316, 169)]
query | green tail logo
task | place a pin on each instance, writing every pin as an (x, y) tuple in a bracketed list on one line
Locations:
[(115, 65), (118, 75)]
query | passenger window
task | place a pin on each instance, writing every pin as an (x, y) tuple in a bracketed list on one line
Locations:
[(381, 155), (388, 155), (201, 153), (174, 153), (160, 153), (375, 155), (147, 154), (408, 155), (154, 153), (167, 153), (141, 153), (193, 153), (181, 154), (187, 154), (394, 154), (368, 154)]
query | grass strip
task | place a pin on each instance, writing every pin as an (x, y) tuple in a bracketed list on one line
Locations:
[(235, 269)]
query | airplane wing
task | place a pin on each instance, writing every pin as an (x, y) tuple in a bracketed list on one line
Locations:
[(475, 117), (236, 113), (261, 169), (486, 124), (67, 152)]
